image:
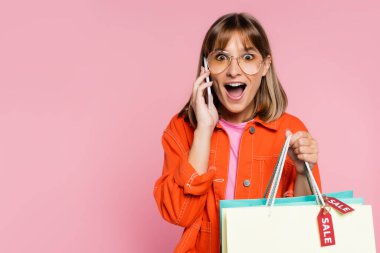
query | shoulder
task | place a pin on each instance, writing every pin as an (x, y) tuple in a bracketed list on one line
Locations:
[(291, 122), (178, 124), (179, 130)]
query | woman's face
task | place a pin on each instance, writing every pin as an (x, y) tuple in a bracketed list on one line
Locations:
[(237, 102)]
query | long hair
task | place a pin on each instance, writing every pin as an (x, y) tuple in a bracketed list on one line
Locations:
[(270, 101)]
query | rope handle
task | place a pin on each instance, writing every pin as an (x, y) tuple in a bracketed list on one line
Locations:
[(277, 176), (278, 172)]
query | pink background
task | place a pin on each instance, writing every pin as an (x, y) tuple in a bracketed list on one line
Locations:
[(87, 87)]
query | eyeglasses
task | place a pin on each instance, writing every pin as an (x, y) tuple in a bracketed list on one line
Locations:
[(219, 60)]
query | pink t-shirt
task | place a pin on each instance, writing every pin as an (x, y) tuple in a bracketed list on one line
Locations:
[(234, 131)]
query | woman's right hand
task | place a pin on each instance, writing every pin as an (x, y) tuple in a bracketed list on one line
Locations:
[(206, 118)]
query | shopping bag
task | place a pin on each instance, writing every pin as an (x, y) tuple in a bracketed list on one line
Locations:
[(295, 229), (344, 196), (291, 225)]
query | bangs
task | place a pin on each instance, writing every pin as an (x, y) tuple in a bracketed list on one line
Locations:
[(248, 32), (222, 40)]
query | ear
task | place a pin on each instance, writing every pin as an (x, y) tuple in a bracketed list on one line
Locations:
[(267, 63)]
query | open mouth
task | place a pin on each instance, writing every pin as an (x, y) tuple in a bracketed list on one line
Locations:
[(235, 90)]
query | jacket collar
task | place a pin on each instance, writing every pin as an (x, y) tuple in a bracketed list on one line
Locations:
[(273, 125)]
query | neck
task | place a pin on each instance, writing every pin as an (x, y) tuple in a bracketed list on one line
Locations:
[(236, 117)]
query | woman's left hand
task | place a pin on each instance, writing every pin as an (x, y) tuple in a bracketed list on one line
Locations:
[(302, 148)]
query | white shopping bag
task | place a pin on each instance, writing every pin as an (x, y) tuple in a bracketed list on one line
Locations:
[(295, 229)]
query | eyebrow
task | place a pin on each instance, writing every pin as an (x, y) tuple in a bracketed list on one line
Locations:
[(250, 48), (246, 49)]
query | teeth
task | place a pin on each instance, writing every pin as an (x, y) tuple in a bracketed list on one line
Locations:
[(235, 84)]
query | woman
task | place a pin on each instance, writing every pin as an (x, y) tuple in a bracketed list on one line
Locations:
[(229, 150)]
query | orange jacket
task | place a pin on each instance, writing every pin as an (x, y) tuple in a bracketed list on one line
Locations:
[(190, 200)]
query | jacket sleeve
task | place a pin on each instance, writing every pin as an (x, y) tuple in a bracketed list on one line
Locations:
[(180, 192)]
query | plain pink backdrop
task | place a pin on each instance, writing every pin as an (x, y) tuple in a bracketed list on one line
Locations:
[(87, 87)]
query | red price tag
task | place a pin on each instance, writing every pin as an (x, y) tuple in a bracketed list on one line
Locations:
[(326, 229), (338, 205)]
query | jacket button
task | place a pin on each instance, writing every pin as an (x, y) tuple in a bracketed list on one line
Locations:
[(246, 183), (252, 130)]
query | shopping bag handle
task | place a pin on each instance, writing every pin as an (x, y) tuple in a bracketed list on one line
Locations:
[(278, 172), (274, 172)]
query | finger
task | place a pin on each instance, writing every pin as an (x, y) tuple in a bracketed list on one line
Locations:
[(306, 150), (295, 136), (302, 142), (306, 142), (310, 158), (201, 90), (201, 78), (198, 81), (298, 135)]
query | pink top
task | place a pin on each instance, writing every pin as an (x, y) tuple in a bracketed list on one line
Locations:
[(234, 131)]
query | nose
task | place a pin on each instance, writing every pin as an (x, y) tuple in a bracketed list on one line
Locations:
[(234, 68)]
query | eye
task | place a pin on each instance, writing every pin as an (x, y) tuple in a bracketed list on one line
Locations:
[(248, 57), (221, 57)]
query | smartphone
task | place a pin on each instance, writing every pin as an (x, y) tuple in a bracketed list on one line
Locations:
[(205, 65)]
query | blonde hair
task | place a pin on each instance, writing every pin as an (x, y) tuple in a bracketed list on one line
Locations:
[(270, 101)]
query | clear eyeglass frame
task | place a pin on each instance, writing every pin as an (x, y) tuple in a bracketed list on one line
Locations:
[(230, 58)]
